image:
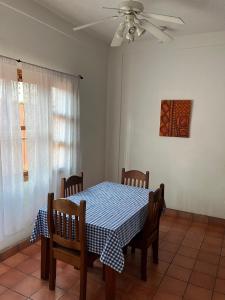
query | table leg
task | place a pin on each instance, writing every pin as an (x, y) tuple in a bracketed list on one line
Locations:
[(110, 283), (44, 258)]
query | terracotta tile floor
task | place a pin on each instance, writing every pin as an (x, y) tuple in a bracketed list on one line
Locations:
[(191, 267)]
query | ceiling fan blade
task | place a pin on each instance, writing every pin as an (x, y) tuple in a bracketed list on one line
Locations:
[(155, 31), (95, 23), (119, 35), (164, 18), (114, 8)]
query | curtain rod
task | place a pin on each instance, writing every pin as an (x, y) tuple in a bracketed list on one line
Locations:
[(20, 61)]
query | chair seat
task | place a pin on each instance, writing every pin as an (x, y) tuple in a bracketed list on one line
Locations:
[(140, 242), (73, 256)]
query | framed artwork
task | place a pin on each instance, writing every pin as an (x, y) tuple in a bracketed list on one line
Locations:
[(175, 118)]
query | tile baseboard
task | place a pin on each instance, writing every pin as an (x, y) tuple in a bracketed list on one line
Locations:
[(14, 249), (195, 217)]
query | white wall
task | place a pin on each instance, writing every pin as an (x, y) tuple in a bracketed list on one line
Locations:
[(25, 38), (139, 77)]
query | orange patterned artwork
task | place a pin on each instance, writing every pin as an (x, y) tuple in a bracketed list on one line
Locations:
[(175, 118)]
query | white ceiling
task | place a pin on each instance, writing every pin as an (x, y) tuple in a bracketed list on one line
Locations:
[(199, 15)]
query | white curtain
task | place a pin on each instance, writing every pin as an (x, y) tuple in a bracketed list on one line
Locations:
[(51, 102), (36, 106), (64, 126), (11, 170)]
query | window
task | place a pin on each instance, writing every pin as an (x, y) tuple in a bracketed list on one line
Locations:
[(63, 123), (39, 122), (22, 124)]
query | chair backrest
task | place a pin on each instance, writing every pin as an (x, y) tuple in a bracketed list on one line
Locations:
[(162, 187), (135, 178), (72, 185), (155, 207), (66, 223)]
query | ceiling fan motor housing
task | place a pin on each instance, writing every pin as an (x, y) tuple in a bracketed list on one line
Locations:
[(131, 6)]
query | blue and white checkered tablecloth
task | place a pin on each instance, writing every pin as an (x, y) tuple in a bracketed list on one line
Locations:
[(115, 213)]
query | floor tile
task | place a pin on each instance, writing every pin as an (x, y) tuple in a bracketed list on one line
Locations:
[(10, 295), (220, 286), (206, 268), (214, 241), (195, 235), (15, 260), (172, 286), (38, 243), (179, 272), (36, 274), (214, 233), (211, 248), (200, 218), (153, 280), (218, 296), (221, 273), (161, 267), (11, 278), (93, 288), (29, 266), (173, 238), (37, 256), (168, 246), (223, 251), (216, 228), (137, 292), (166, 255), (185, 215), (183, 261), (69, 296), (45, 294), (31, 250), (197, 293), (192, 243), (166, 296), (2, 289), (3, 269), (222, 261), (202, 280), (188, 251), (125, 283), (29, 286), (208, 257), (66, 280)]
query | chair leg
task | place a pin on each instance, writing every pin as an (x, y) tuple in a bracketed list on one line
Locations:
[(103, 272), (144, 256), (132, 250), (90, 264), (125, 250), (52, 273), (155, 249), (83, 282)]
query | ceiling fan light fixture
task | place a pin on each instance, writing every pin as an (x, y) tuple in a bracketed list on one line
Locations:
[(132, 30), (140, 31), (130, 36), (121, 30)]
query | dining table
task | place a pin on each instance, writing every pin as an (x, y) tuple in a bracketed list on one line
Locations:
[(115, 213)]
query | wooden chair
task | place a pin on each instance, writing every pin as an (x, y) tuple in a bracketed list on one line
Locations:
[(150, 233), (71, 185), (65, 217), (135, 178)]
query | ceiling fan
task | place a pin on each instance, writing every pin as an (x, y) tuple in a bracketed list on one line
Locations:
[(134, 23)]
